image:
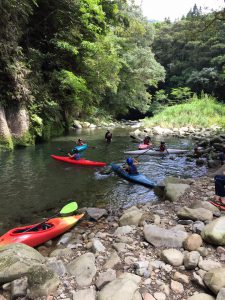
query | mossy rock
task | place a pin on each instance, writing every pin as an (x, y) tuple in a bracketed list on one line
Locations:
[(18, 260), (24, 141), (6, 143), (52, 130)]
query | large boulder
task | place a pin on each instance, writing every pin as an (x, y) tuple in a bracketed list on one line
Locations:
[(19, 260), (215, 279), (214, 232), (124, 287), (195, 214), (83, 269), (131, 216), (173, 191), (206, 205), (160, 237)]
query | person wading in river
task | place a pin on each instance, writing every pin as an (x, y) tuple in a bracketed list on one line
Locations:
[(108, 137)]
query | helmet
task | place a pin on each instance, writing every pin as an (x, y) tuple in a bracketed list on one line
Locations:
[(130, 161), (79, 140)]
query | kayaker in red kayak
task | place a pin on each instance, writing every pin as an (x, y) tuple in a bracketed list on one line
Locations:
[(131, 166), (75, 154), (147, 140)]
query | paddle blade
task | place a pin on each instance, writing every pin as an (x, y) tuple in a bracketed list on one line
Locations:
[(69, 208)]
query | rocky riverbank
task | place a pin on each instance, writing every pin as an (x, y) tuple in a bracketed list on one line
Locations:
[(172, 249), (209, 142)]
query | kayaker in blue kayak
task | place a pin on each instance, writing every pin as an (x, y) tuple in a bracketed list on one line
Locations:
[(131, 166), (74, 154)]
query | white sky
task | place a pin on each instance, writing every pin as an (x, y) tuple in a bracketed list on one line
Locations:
[(174, 9)]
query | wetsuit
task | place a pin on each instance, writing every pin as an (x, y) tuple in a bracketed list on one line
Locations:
[(132, 170)]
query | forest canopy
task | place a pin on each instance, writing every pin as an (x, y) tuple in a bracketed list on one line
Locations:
[(69, 59)]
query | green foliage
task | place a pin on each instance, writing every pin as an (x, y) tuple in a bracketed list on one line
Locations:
[(203, 112), (71, 90), (64, 59), (180, 94), (191, 50)]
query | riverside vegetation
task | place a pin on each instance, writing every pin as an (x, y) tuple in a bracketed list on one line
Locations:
[(90, 59)]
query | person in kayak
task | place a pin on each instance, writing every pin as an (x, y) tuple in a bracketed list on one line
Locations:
[(79, 142), (220, 188), (108, 137), (131, 166), (74, 154), (147, 140)]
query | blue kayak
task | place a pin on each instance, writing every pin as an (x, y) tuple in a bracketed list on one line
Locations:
[(81, 148), (136, 178)]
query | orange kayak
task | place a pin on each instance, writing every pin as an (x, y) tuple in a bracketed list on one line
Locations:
[(47, 231)]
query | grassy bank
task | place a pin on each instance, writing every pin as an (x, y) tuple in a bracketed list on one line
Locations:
[(203, 112)]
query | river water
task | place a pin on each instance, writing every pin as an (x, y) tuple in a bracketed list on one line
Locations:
[(33, 185)]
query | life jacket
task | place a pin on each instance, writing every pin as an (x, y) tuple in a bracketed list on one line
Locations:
[(132, 170), (77, 156)]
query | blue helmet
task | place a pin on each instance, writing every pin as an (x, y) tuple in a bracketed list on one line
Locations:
[(130, 161)]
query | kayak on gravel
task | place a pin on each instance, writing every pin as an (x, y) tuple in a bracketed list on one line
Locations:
[(37, 234), (144, 146), (156, 152), (81, 161), (219, 205), (136, 178)]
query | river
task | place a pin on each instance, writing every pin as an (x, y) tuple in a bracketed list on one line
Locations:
[(33, 185)]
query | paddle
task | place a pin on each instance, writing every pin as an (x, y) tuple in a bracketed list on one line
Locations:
[(67, 209)]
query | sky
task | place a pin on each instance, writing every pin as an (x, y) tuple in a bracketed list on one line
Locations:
[(174, 9)]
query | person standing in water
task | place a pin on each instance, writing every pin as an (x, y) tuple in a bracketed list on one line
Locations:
[(108, 137)]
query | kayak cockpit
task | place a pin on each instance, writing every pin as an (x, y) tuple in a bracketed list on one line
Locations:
[(41, 228)]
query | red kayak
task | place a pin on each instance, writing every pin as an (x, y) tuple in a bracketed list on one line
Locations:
[(219, 205), (81, 161), (45, 232), (144, 146)]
